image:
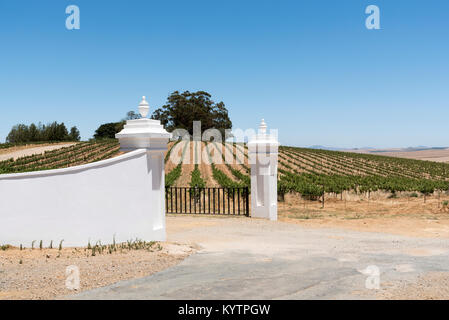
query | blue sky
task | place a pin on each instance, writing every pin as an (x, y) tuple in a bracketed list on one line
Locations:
[(310, 68)]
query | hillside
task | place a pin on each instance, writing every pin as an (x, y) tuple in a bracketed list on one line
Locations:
[(306, 171), (78, 154)]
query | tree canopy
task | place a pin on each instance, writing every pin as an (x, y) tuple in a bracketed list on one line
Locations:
[(108, 130), (182, 109), (22, 133)]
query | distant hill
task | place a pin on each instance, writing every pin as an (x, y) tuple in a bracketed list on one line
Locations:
[(319, 147)]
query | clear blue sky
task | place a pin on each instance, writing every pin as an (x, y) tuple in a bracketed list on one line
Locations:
[(310, 68)]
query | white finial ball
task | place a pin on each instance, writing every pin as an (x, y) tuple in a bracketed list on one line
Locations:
[(144, 107)]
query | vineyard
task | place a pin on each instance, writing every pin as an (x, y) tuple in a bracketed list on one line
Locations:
[(81, 153), (309, 172)]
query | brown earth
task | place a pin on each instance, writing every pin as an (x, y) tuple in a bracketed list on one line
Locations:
[(430, 286), (41, 274), (31, 149), (437, 155), (176, 154), (186, 173), (403, 216), (206, 172)]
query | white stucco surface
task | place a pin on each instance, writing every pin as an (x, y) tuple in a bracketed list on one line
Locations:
[(263, 158), (94, 202)]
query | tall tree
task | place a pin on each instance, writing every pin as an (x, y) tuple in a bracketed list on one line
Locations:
[(33, 133), (182, 109), (74, 134)]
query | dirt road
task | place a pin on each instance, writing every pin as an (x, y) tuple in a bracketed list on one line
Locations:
[(243, 258)]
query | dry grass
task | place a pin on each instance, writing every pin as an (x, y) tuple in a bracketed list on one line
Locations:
[(405, 216)]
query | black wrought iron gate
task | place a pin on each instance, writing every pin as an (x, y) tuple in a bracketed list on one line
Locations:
[(227, 201)]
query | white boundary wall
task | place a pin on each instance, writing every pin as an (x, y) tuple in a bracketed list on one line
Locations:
[(121, 197)]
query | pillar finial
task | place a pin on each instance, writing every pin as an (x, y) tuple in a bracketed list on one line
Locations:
[(144, 107), (263, 127)]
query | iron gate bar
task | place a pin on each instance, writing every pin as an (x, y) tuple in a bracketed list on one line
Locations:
[(202, 198), (171, 199), (238, 196), (208, 197), (233, 202), (229, 203)]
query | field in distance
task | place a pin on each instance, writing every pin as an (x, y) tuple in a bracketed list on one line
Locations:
[(427, 154)]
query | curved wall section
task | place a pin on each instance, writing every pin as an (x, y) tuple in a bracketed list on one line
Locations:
[(119, 197)]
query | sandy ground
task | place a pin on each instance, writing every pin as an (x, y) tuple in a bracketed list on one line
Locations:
[(243, 258), (316, 257), (28, 150), (402, 216), (437, 155), (429, 286), (411, 217), (41, 274)]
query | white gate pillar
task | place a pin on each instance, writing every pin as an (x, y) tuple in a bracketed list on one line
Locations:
[(263, 157), (149, 134)]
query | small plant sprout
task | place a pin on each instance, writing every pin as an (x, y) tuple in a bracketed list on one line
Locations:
[(32, 244), (40, 245), (21, 248), (60, 244), (51, 245)]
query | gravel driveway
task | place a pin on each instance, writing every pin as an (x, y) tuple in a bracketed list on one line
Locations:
[(242, 258)]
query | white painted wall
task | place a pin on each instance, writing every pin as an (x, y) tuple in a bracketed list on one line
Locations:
[(123, 196)]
